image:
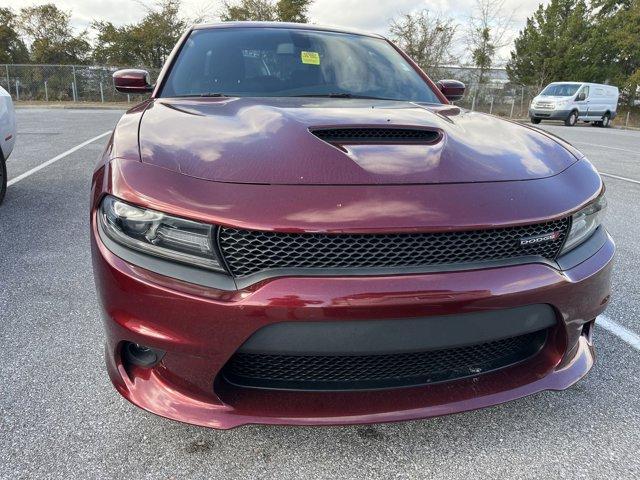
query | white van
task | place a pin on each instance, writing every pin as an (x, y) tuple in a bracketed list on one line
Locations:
[(573, 101)]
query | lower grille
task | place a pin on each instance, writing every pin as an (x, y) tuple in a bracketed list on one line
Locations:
[(248, 251), (358, 372)]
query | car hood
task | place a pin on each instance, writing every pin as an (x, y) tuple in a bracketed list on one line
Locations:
[(269, 141)]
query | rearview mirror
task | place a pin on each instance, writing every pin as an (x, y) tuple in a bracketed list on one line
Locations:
[(452, 89), (132, 81), (581, 96)]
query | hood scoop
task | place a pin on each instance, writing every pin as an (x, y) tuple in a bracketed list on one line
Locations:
[(377, 135)]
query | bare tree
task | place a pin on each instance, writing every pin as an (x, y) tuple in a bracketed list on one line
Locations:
[(203, 12), (489, 30), (425, 37)]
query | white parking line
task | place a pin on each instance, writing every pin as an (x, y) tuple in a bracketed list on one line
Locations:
[(619, 331), (620, 178), (55, 159), (634, 152)]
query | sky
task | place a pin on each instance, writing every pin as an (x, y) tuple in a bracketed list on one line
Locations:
[(369, 15)]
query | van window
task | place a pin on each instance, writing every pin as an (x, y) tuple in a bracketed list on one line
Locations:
[(560, 89), (584, 90)]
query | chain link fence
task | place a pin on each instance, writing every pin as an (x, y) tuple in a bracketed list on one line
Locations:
[(63, 83), (512, 101), (92, 83), (503, 99)]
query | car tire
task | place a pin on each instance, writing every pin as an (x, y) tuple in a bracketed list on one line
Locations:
[(572, 119), (3, 177), (535, 121), (605, 122)]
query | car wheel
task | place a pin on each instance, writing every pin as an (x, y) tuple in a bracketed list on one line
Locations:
[(606, 121), (572, 119), (3, 178), (535, 120)]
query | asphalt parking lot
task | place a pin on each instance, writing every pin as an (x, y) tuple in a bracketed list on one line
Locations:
[(60, 417)]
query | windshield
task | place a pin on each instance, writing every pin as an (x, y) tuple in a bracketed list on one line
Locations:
[(279, 62), (561, 89)]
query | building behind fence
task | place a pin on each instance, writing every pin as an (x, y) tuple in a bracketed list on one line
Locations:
[(92, 83)]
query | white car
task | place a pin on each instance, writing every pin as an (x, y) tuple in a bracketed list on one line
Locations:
[(573, 101), (7, 136)]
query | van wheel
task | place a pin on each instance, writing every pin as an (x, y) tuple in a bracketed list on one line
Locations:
[(572, 119), (3, 177), (535, 120), (605, 122)]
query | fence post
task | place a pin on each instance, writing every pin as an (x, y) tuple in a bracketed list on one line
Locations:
[(473, 103), (522, 102), (8, 83), (101, 93), (626, 124), (46, 92), (17, 90), (513, 104), (491, 107), (75, 84), (73, 91), (128, 98)]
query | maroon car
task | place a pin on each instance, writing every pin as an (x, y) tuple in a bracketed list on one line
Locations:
[(298, 227)]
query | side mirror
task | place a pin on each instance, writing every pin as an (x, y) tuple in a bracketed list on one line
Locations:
[(581, 97), (452, 89), (132, 81)]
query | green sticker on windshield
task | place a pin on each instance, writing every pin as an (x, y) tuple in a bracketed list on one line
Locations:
[(310, 58)]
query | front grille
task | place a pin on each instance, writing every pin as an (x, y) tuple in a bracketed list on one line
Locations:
[(376, 135), (247, 251), (545, 105), (329, 372)]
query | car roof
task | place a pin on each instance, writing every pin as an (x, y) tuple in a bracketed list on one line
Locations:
[(568, 83), (285, 25), (584, 83)]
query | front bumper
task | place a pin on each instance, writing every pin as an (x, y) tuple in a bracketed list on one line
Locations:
[(200, 328), (546, 114)]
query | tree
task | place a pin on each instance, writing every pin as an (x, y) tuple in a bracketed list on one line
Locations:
[(12, 48), (426, 38), (266, 10), (51, 37), (147, 43), (256, 10), (483, 52), (615, 43), (114, 45), (293, 10), (554, 45), (487, 32)]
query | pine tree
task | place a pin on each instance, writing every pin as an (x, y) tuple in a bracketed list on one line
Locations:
[(551, 47)]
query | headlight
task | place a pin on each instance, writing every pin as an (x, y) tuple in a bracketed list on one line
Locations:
[(158, 234), (585, 222), (561, 103)]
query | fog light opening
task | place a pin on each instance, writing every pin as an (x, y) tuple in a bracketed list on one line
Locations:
[(141, 355), (587, 331)]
